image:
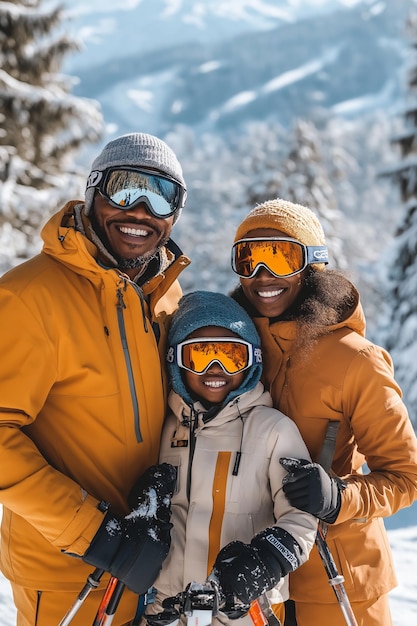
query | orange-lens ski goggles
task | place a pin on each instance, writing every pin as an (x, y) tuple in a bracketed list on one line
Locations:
[(197, 355), (281, 256)]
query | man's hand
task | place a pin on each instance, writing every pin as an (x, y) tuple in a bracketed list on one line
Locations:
[(133, 548)]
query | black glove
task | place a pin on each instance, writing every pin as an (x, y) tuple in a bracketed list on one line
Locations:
[(133, 548), (308, 487), (247, 571), (152, 493)]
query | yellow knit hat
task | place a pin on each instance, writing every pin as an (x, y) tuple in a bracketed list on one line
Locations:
[(295, 220)]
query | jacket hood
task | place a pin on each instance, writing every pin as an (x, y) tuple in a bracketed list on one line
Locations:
[(257, 396), (64, 243), (355, 318)]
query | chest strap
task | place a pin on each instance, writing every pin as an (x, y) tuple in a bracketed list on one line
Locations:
[(329, 444)]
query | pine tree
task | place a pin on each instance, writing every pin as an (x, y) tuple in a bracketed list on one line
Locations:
[(303, 176), (42, 124), (398, 329), (228, 175)]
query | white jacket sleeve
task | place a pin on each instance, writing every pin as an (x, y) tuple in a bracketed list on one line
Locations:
[(300, 525)]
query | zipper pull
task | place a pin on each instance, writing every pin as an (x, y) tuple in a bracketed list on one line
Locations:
[(120, 299)]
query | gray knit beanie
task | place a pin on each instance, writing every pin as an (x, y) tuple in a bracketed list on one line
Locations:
[(206, 308), (137, 150)]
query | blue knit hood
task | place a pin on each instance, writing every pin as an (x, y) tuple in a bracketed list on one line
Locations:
[(207, 308)]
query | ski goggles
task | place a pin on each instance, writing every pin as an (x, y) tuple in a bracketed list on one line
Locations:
[(198, 355), (281, 256), (125, 188)]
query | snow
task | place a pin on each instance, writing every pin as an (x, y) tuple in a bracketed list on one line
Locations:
[(367, 102), (98, 23), (147, 509), (244, 98), (143, 98)]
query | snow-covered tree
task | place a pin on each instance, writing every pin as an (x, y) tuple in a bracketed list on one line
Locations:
[(329, 166), (398, 328), (303, 176), (42, 124), (218, 170)]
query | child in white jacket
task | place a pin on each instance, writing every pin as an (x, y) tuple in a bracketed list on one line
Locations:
[(229, 513)]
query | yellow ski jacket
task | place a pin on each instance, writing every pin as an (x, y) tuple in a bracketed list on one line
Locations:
[(82, 399)]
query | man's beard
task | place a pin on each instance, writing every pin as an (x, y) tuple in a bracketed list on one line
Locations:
[(139, 261)]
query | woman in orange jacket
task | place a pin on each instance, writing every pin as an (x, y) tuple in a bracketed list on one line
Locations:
[(339, 389)]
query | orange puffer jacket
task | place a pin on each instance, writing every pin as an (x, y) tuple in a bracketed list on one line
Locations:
[(82, 399), (345, 377)]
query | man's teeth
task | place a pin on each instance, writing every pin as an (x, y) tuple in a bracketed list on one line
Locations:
[(135, 232), (270, 294), (214, 383)]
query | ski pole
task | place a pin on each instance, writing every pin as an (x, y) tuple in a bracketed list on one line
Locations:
[(91, 583), (109, 602), (113, 603), (335, 579), (257, 615), (261, 609)]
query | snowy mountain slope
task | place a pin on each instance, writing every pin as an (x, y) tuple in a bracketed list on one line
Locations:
[(291, 69), (109, 29)]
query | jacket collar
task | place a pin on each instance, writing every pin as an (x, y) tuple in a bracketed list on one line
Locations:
[(68, 238), (235, 408)]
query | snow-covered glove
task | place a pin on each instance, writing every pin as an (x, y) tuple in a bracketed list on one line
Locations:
[(133, 548), (309, 487), (245, 571), (152, 493)]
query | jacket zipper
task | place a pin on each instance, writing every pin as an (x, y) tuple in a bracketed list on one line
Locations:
[(192, 437), (122, 329)]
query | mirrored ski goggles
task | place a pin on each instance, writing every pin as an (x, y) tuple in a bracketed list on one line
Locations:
[(125, 188), (281, 256), (197, 355)]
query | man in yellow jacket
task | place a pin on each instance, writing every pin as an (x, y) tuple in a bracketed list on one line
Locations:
[(82, 390)]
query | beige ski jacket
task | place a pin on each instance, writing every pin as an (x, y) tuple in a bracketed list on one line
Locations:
[(220, 498)]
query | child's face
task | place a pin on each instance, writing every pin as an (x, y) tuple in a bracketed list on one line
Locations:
[(214, 385)]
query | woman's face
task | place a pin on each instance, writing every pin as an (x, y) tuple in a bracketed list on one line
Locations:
[(271, 296)]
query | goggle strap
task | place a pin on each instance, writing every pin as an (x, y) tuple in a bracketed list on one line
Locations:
[(317, 254)]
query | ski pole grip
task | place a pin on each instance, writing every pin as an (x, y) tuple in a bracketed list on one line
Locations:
[(257, 615)]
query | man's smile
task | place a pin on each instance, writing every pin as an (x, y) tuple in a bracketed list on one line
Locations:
[(134, 232)]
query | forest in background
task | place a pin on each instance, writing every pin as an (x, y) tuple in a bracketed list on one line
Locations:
[(358, 174)]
